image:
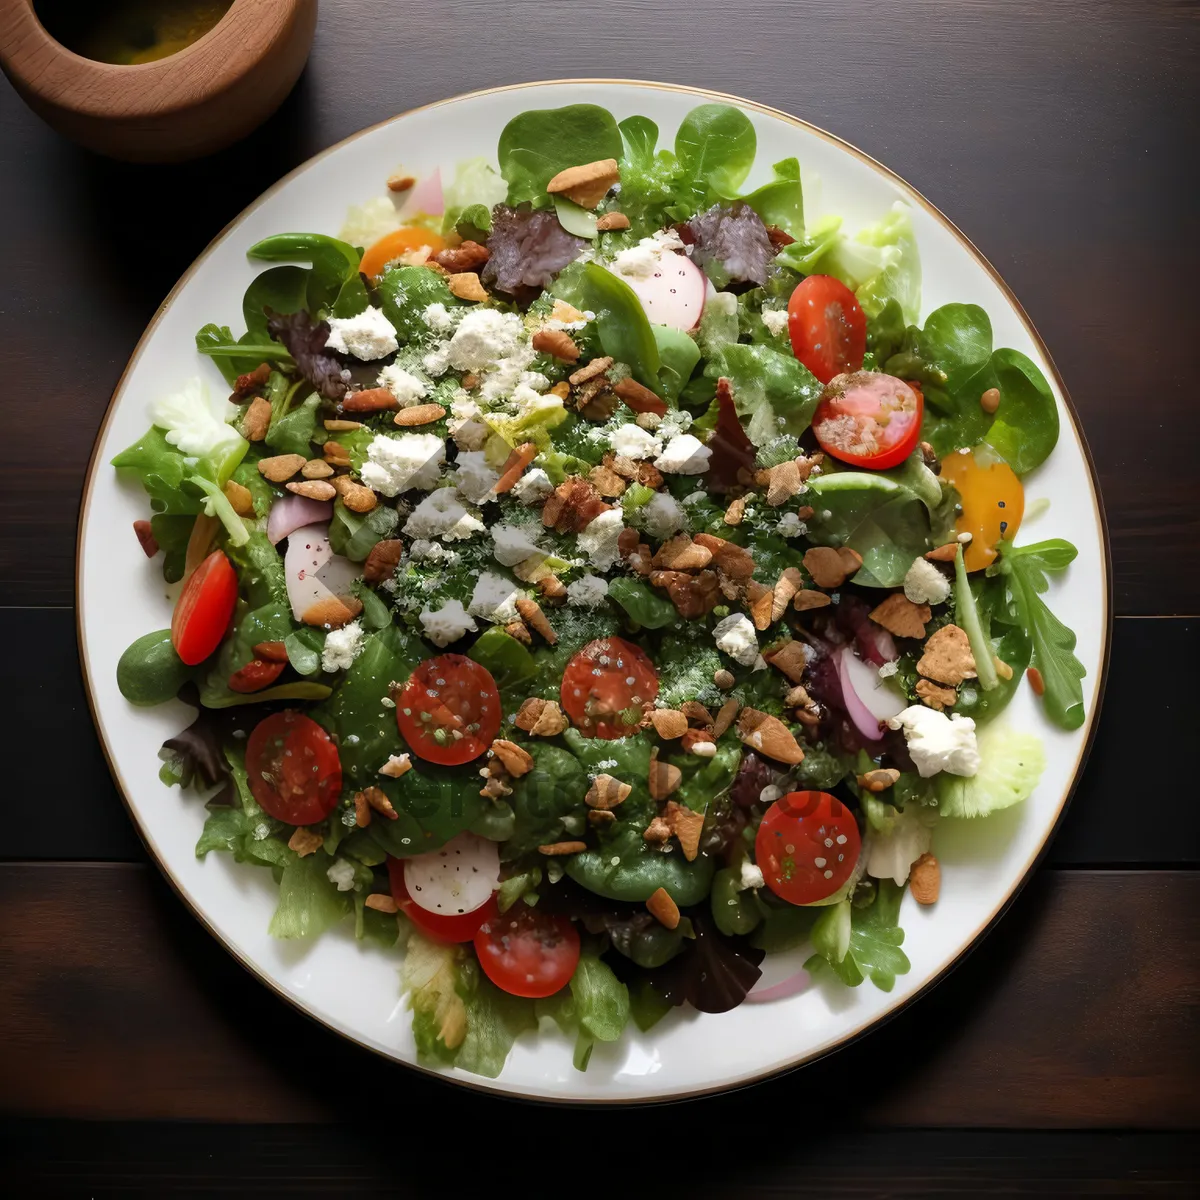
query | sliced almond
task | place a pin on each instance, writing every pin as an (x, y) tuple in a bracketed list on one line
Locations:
[(680, 553), (370, 400), (514, 466), (664, 779), (335, 454), (783, 482), (419, 414), (313, 489), (925, 879), (808, 598), (946, 553), (516, 760), (466, 286), (532, 615), (768, 735), (761, 602), (607, 482), (241, 499), (825, 566), (639, 397), (736, 562), (316, 468), (663, 909), (377, 799), (947, 657), (593, 369), (607, 792), (541, 718), (900, 616), (257, 420), (790, 583), (588, 184), (333, 612), (559, 849), (611, 221), (280, 467), (362, 811), (305, 842), (696, 713), (337, 425), (668, 723), (356, 497), (878, 780), (724, 717), (381, 902), (687, 825), (396, 766), (791, 658)]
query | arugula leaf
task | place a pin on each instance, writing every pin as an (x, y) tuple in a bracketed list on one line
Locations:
[(601, 1005), (1023, 569), (535, 145), (859, 943)]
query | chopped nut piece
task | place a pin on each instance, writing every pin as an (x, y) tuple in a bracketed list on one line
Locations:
[(735, 511), (1002, 668), (724, 679), (383, 560), (257, 420), (600, 816), (335, 454), (466, 256), (807, 717), (697, 713), (362, 811), (517, 761), (724, 717), (990, 400), (680, 553), (541, 718), (929, 457), (640, 398), (514, 466), (313, 489), (640, 559), (611, 221), (686, 825), (692, 595), (768, 735), (562, 390), (669, 723), (470, 381), (396, 766), (280, 466), (553, 590), (333, 612), (586, 185), (878, 780), (700, 744), (381, 902), (250, 382), (562, 848), (419, 414), (593, 369), (658, 831), (664, 780), (599, 404), (519, 631), (783, 482), (316, 468), (663, 909), (807, 598), (607, 482), (532, 615), (572, 506), (827, 567), (495, 788), (925, 879), (944, 553), (557, 343), (370, 400), (736, 562), (789, 584), (240, 499), (936, 696), (305, 842), (607, 792), (790, 658), (144, 531), (947, 657), (340, 426), (1036, 681), (466, 286), (761, 602), (356, 497), (400, 183), (900, 616), (377, 799)]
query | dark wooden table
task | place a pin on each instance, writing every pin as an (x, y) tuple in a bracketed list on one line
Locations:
[(1061, 1059)]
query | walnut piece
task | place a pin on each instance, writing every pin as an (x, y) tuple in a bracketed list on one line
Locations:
[(541, 718)]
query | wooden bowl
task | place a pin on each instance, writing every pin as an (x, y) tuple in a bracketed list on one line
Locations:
[(194, 102)]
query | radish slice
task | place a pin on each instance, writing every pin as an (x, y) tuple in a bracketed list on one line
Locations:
[(294, 512), (426, 197), (868, 699), (674, 295), (791, 986), (457, 879), (313, 571)]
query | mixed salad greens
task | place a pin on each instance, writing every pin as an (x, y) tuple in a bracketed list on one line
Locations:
[(598, 579)]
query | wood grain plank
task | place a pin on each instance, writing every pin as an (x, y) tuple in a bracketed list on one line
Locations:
[(59, 1159), (1057, 133), (1080, 1011), (94, 825)]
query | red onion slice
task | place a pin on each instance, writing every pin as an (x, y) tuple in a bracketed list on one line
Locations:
[(793, 985)]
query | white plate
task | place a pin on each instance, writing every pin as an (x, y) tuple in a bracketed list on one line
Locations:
[(353, 988)]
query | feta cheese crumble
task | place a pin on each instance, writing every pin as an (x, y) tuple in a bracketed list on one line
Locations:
[(533, 486), (438, 318), (442, 515), (484, 337), (494, 599), (791, 526), (642, 260), (631, 441), (513, 545), (423, 551), (405, 386), (751, 876), (447, 624), (663, 516), (775, 319), (925, 584), (367, 336), (413, 460), (342, 874), (736, 636), (684, 454), (937, 742), (587, 592), (599, 539), (892, 852), (342, 647), (474, 478)]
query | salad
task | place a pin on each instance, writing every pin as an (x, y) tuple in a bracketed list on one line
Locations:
[(599, 578)]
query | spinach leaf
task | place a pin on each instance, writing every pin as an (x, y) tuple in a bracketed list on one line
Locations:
[(354, 535), (715, 146), (294, 432), (404, 295), (773, 393), (474, 223), (150, 671), (535, 145), (173, 532), (281, 289), (625, 868), (304, 647), (332, 262), (645, 607), (510, 664), (781, 202), (259, 566), (160, 469), (541, 799), (639, 137), (647, 1005), (621, 322), (706, 779), (678, 355), (352, 298), (575, 219), (217, 341), (432, 803), (1025, 428)]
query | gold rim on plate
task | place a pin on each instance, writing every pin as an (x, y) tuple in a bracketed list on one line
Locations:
[(488, 1086)]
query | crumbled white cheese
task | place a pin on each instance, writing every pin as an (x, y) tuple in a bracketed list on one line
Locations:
[(775, 319), (587, 592), (441, 514), (892, 852), (642, 260), (424, 551), (791, 526), (533, 486), (684, 455), (695, 497), (438, 318), (436, 362), (925, 584), (342, 874), (413, 460), (447, 624), (632, 441), (405, 386), (937, 742), (474, 478), (494, 599), (736, 636), (367, 336), (599, 539), (342, 647), (513, 545), (484, 337), (471, 435), (751, 876), (663, 516)]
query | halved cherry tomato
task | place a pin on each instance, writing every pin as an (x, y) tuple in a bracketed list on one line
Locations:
[(255, 675), (869, 419), (204, 609), (293, 768), (449, 711), (442, 929), (993, 503), (807, 846), (399, 241), (527, 952), (827, 327), (607, 686)]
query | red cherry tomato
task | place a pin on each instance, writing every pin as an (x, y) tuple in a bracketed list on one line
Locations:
[(204, 609), (449, 711), (442, 929), (293, 768), (607, 686), (869, 419), (255, 675), (526, 952), (827, 327), (807, 846)]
